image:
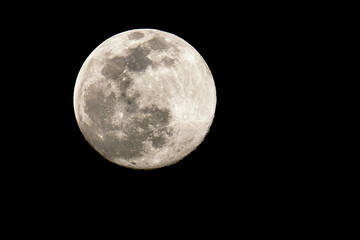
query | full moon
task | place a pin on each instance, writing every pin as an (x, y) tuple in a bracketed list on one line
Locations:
[(144, 99)]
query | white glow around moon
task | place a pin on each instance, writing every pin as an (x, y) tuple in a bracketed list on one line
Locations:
[(144, 99)]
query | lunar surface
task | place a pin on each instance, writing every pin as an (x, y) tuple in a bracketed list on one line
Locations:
[(144, 99)]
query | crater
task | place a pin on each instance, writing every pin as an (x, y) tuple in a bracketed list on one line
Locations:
[(135, 35)]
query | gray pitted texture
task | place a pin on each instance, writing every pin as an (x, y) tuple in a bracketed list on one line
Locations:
[(147, 124)]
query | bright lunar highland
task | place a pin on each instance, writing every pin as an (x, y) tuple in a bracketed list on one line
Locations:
[(144, 99)]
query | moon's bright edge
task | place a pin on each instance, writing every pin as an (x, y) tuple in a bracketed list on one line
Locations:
[(144, 99)]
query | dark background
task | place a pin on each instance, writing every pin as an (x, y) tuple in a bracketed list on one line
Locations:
[(251, 162)]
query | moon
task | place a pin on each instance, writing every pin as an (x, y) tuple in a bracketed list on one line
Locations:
[(144, 99)]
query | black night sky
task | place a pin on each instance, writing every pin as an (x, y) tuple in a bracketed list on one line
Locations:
[(248, 159)]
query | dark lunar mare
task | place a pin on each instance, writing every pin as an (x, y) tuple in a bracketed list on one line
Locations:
[(157, 43), (143, 124), (137, 59), (135, 35), (114, 67), (99, 107)]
